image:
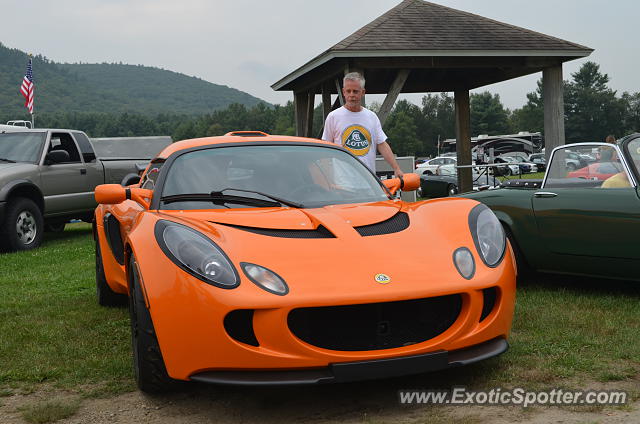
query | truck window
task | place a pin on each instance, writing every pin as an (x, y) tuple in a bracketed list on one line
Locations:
[(85, 147), (64, 141)]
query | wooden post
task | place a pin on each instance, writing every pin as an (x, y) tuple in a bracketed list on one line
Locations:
[(392, 95), (463, 139), (326, 100), (553, 100), (308, 127), (300, 100), (339, 88)]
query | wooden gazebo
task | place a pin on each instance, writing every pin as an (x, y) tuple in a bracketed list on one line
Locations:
[(420, 47)]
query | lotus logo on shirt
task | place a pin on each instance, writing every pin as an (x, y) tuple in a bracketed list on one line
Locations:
[(357, 140)]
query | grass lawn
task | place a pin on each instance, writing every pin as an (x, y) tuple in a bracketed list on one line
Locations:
[(52, 330)]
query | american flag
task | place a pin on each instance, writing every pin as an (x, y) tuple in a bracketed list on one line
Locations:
[(27, 88)]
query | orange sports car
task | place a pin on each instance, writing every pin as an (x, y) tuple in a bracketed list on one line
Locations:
[(259, 259)]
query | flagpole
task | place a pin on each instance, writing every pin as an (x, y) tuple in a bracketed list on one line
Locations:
[(32, 117)]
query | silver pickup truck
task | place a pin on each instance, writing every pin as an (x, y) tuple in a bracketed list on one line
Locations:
[(48, 176)]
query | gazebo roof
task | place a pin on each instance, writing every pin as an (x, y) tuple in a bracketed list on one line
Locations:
[(429, 38)]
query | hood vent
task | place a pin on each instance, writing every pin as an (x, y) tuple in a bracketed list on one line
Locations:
[(320, 232), (395, 224)]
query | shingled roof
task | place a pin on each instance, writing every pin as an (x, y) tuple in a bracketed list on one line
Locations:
[(420, 25), (418, 35)]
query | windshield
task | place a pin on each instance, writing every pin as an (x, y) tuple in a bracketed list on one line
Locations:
[(587, 165), (634, 154), (312, 176), (21, 146)]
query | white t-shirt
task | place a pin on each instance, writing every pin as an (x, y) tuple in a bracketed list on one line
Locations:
[(358, 132)]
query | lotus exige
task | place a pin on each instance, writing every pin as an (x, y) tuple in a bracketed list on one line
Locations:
[(257, 259)]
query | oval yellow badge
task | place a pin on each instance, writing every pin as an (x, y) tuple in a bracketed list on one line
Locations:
[(382, 278)]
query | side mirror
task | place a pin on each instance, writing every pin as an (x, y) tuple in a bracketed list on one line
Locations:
[(408, 182), (113, 194), (57, 156)]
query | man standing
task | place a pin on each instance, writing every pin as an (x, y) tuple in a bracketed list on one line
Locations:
[(358, 129)]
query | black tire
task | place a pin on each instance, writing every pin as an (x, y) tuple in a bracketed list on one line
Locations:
[(452, 189), (23, 226), (571, 167), (150, 371), (507, 171), (106, 296), (54, 227)]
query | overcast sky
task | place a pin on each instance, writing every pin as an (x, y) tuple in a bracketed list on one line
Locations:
[(250, 44)]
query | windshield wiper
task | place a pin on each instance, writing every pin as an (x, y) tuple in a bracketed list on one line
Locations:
[(8, 160), (268, 196), (219, 198)]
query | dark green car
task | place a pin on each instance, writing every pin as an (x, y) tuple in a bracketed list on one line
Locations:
[(582, 221)]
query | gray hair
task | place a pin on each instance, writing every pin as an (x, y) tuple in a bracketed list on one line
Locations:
[(354, 76)]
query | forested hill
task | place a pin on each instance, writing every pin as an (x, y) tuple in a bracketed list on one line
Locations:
[(111, 88)]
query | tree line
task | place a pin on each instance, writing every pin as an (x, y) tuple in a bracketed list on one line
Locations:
[(592, 111)]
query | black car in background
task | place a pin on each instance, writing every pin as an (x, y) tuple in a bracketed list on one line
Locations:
[(540, 160)]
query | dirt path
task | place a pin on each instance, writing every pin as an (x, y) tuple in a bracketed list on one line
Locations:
[(373, 402)]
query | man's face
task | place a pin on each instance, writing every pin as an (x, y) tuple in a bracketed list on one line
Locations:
[(352, 93)]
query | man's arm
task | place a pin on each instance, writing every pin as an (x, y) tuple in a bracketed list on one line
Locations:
[(385, 150)]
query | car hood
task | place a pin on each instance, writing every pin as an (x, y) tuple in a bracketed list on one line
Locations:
[(344, 243), (13, 171)]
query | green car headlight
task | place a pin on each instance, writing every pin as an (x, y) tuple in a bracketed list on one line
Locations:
[(196, 254), (265, 278), (488, 235)]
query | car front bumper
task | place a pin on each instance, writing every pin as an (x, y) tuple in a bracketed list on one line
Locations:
[(360, 370)]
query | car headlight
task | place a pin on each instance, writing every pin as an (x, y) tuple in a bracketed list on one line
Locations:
[(196, 254), (463, 260), (265, 278), (488, 235)]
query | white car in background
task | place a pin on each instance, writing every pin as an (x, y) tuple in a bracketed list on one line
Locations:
[(431, 166)]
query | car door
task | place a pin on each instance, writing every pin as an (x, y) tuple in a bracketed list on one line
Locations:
[(66, 186), (582, 217)]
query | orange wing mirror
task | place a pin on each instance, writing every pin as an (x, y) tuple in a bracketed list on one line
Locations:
[(113, 194), (408, 182)]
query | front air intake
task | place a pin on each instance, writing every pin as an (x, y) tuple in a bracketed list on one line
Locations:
[(375, 326), (320, 232)]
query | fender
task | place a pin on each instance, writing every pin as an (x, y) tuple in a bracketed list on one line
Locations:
[(9, 188)]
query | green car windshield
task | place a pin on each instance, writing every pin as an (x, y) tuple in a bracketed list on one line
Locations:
[(307, 175), (21, 146)]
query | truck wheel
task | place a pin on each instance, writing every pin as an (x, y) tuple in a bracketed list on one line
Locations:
[(23, 225), (106, 296), (452, 190), (151, 373)]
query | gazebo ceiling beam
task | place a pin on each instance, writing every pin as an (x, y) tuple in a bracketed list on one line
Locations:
[(392, 95), (453, 62)]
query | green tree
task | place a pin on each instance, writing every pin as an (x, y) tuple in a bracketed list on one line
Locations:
[(592, 110), (401, 132), (632, 112), (530, 117), (439, 115), (488, 115)]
